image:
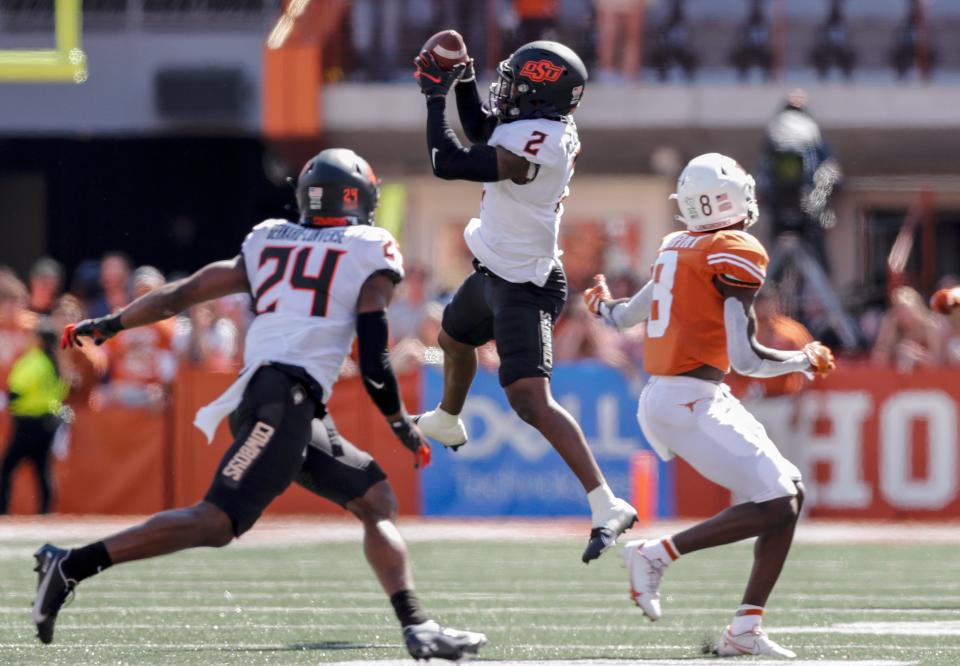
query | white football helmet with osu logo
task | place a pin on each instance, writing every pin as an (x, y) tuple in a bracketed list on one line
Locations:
[(714, 192)]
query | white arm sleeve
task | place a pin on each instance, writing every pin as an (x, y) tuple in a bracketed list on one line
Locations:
[(744, 359), (630, 313)]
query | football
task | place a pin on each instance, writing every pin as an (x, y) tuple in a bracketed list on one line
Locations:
[(448, 49)]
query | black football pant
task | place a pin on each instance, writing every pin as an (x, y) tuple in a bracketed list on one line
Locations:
[(31, 441)]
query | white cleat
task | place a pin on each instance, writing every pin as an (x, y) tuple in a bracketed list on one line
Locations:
[(754, 642), (645, 574), (444, 428)]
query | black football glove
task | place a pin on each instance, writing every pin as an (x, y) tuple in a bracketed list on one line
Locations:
[(99, 330), (434, 81), (409, 435)]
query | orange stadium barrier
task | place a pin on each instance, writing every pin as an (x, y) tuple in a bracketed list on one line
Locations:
[(133, 461), (879, 444)]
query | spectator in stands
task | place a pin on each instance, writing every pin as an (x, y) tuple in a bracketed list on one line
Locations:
[(948, 348), (471, 20), (798, 176), (413, 351), (141, 361), (46, 283), (537, 20), (672, 47), (579, 336), (85, 285), (205, 339), (17, 325), (909, 333), (753, 48), (832, 48), (81, 368), (36, 393), (115, 279), (375, 27), (408, 306), (620, 31), (774, 401), (911, 47), (237, 309)]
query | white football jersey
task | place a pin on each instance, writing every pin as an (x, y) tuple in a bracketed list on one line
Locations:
[(516, 235), (305, 282)]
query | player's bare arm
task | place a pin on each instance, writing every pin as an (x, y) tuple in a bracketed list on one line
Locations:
[(212, 281), (748, 356), (379, 379)]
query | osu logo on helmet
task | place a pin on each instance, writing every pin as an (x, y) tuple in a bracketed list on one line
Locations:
[(541, 70)]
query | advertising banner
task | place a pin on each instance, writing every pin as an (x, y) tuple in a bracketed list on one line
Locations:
[(508, 469), (871, 443)]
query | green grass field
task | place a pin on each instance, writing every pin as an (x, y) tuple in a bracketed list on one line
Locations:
[(306, 603)]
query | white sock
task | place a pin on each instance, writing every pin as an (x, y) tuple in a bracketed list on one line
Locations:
[(661, 549), (746, 618), (601, 501), (446, 417)]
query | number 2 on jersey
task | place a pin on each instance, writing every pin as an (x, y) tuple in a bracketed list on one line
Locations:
[(536, 140), (319, 284), (664, 272)]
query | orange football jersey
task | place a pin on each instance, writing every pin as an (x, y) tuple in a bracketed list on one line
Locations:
[(685, 329)]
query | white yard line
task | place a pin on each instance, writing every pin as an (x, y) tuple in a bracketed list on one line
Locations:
[(133, 609), (308, 529), (925, 628), (650, 662), (237, 595)]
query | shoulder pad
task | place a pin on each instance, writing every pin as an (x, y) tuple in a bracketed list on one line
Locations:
[(737, 258)]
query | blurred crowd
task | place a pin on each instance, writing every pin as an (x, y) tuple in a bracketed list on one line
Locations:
[(41, 384), (136, 368), (619, 38)]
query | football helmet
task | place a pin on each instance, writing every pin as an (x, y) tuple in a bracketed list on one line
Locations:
[(714, 192), (337, 187), (539, 80)]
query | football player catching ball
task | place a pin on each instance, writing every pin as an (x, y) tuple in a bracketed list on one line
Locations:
[(524, 147)]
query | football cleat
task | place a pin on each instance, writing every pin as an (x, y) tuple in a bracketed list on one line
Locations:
[(429, 640), (53, 589), (645, 574), (753, 642), (445, 428), (618, 519)]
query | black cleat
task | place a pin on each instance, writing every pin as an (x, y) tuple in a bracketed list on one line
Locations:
[(621, 517), (429, 640), (601, 539), (53, 589)]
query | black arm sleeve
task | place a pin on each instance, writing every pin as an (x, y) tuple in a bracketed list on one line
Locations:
[(375, 368), (450, 160), (477, 125)]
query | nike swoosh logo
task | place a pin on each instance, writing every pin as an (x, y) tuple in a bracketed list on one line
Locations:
[(376, 385), (39, 617), (433, 158), (435, 79)]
